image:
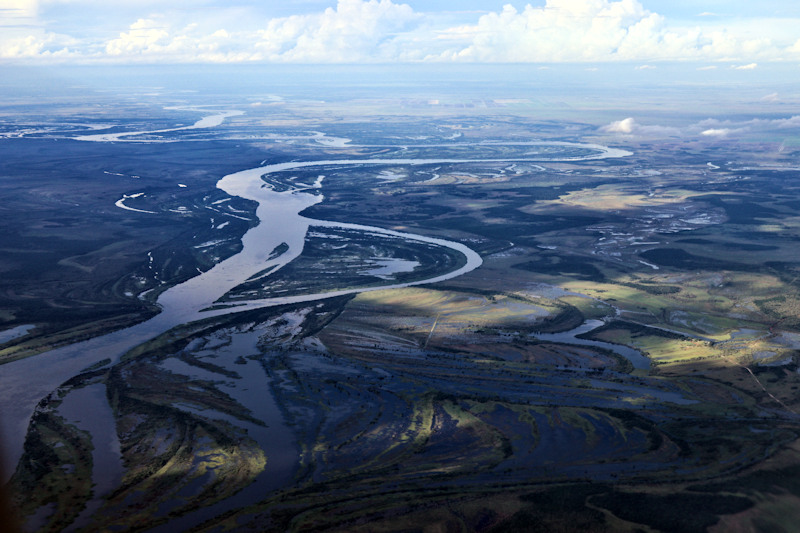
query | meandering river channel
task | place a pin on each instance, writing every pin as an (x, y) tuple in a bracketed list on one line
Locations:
[(25, 382)]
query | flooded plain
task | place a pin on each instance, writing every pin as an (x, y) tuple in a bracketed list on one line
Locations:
[(25, 382)]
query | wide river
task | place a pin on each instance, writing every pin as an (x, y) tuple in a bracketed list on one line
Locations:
[(25, 382)]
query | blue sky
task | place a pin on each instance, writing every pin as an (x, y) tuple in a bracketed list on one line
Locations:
[(734, 33)]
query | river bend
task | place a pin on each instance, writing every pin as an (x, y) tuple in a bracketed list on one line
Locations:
[(25, 382)]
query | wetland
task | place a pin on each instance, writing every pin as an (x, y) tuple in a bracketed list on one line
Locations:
[(367, 314)]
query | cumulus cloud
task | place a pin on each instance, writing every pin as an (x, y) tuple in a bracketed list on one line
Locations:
[(785, 123), (716, 132), (30, 46), (727, 128), (591, 31), (20, 36), (596, 30), (630, 127), (562, 30), (709, 128), (355, 30), (154, 39), (36, 44), (144, 35), (621, 126)]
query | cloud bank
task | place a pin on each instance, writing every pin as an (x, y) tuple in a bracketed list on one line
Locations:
[(630, 127), (709, 128), (388, 31), (355, 31)]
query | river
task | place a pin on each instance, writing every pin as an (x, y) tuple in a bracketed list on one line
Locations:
[(25, 382)]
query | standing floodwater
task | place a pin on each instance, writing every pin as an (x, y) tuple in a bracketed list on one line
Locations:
[(23, 383)]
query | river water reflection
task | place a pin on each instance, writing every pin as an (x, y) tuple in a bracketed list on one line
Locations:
[(636, 358), (25, 382)]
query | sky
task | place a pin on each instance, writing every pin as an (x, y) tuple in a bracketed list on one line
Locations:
[(736, 34)]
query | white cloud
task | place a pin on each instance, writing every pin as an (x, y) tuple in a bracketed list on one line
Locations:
[(629, 126), (562, 30), (36, 44), (786, 123), (751, 66), (156, 40), (709, 128), (30, 46), (598, 30), (590, 31), (355, 31), (145, 35), (622, 126), (725, 128), (14, 10), (716, 132)]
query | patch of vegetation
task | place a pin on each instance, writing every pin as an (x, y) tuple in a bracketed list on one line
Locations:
[(652, 288), (740, 211), (636, 330), (678, 513), (517, 230), (567, 318), (784, 309), (683, 260), (557, 509), (633, 420), (567, 266), (55, 470), (766, 481), (341, 259), (432, 408)]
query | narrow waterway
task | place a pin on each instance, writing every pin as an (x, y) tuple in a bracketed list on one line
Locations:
[(99, 422), (252, 389), (209, 121), (636, 358)]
